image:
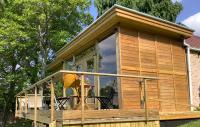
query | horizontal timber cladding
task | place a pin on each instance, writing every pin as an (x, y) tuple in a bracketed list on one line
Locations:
[(130, 100), (119, 124), (153, 55)]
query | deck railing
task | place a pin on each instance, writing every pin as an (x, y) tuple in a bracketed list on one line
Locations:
[(23, 97)]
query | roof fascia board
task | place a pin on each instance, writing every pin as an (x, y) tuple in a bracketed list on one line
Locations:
[(152, 17), (118, 8), (155, 23), (120, 12)]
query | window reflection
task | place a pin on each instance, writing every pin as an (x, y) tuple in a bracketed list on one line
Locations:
[(107, 64), (69, 64), (99, 58), (90, 65), (107, 55)]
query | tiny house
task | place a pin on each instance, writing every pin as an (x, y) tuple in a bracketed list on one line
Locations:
[(136, 68)]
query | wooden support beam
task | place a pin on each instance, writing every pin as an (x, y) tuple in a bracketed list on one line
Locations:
[(64, 91), (41, 90), (98, 91), (145, 100), (16, 107), (119, 65), (35, 108), (20, 105), (26, 104), (82, 99), (52, 101), (97, 81)]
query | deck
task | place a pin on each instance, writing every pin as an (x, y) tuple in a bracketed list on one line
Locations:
[(179, 115), (90, 116), (114, 117), (31, 106)]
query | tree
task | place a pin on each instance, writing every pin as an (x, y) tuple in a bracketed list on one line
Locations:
[(52, 24), (15, 63), (164, 9), (3, 3), (31, 32)]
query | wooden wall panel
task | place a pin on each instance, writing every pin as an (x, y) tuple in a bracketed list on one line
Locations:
[(182, 98), (167, 96), (147, 51), (154, 55), (164, 54), (129, 50), (179, 57), (131, 91), (152, 91)]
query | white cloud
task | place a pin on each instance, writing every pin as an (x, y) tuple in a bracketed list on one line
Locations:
[(108, 44), (109, 59), (176, 1), (193, 22)]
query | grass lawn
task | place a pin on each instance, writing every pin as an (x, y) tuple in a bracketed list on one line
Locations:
[(20, 123), (191, 124)]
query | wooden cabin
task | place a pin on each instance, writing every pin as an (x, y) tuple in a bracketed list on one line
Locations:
[(140, 57)]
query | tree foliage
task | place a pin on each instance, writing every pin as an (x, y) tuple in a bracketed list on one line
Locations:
[(2, 5), (164, 9), (31, 31)]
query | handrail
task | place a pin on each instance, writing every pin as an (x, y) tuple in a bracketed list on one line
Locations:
[(83, 73), (50, 79)]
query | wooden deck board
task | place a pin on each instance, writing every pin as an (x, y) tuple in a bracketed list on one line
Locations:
[(74, 116), (102, 114), (179, 115)]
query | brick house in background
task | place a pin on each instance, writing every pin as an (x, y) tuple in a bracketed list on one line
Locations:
[(193, 44)]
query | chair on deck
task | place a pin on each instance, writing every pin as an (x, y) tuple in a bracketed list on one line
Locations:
[(73, 81)]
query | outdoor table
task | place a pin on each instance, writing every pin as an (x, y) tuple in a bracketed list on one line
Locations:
[(104, 101), (62, 101)]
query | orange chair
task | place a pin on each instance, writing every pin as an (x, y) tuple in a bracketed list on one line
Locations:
[(71, 81)]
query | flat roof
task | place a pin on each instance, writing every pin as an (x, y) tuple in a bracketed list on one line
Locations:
[(118, 14)]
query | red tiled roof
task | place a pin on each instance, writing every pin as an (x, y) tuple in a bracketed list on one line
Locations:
[(194, 41)]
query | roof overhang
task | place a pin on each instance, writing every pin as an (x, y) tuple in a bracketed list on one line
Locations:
[(123, 16)]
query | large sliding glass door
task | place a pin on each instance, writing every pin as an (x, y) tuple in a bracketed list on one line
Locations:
[(107, 63), (100, 58)]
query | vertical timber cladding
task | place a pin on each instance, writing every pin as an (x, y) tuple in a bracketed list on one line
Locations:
[(153, 55)]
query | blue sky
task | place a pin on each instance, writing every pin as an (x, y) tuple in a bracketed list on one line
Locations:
[(190, 7), (93, 10), (190, 15)]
